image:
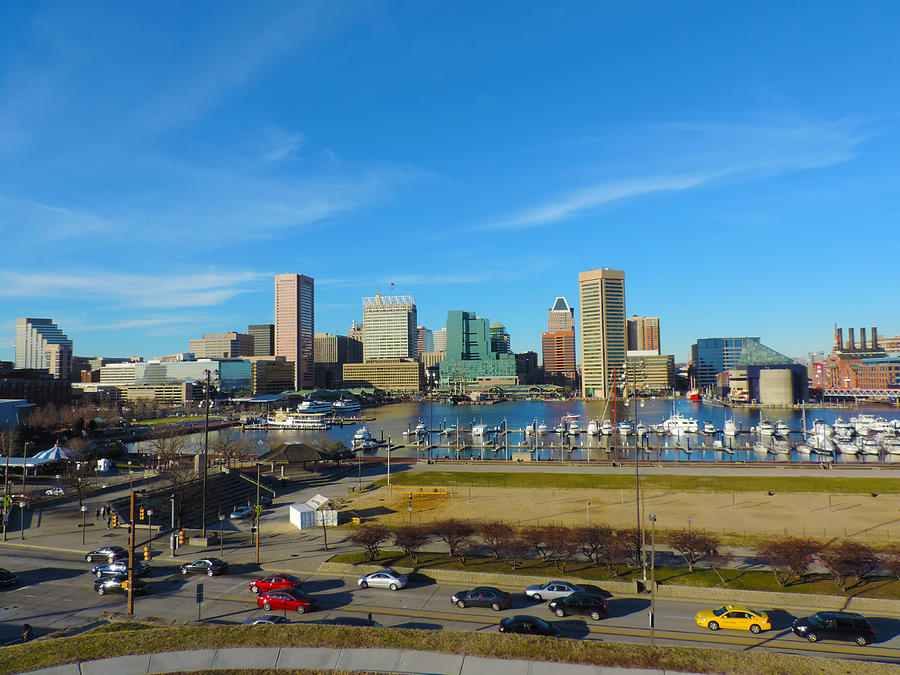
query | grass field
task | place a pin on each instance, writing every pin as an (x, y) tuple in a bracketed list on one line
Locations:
[(737, 579), (89, 646), (821, 484)]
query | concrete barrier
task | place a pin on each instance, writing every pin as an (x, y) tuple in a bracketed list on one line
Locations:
[(761, 599)]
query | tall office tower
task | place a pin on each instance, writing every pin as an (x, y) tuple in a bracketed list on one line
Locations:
[(295, 325), (558, 353), (560, 316), (228, 345), (440, 339), (41, 345), (389, 327), (499, 339), (356, 331), (424, 341), (643, 333), (468, 336), (263, 339), (603, 336)]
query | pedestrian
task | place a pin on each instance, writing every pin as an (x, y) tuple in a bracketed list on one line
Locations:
[(27, 633), (108, 521), (97, 517)]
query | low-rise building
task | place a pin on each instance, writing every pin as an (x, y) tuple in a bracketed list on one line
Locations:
[(649, 372), (228, 345), (393, 375)]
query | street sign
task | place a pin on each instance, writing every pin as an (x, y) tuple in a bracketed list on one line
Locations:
[(199, 593), (259, 510)]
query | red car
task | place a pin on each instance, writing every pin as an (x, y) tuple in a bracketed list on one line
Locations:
[(286, 598), (274, 582)]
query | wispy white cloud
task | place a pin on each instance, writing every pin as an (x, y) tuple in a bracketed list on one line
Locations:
[(715, 152), (51, 221), (191, 290), (283, 146), (140, 323)]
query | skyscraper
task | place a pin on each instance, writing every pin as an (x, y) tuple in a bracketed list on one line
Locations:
[(560, 316), (389, 327), (263, 339), (295, 325), (424, 341), (440, 339), (558, 342), (603, 336), (41, 345), (643, 333), (499, 339)]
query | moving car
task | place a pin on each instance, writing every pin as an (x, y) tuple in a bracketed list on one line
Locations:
[(117, 585), (55, 492), (386, 578), (241, 512), (265, 619), (483, 596), (7, 578), (735, 617), (120, 568), (286, 598), (551, 590), (835, 626), (528, 625), (580, 603), (107, 553), (208, 566), (274, 582)]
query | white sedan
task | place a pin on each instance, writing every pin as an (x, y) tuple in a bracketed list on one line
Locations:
[(386, 578), (551, 590), (241, 512)]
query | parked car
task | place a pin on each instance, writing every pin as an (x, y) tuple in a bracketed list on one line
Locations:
[(265, 500), (240, 512), (7, 578), (551, 590), (483, 596), (265, 619), (735, 617), (208, 566), (55, 492), (117, 585), (120, 568), (528, 625), (274, 582), (107, 553), (835, 626), (286, 598), (386, 578), (580, 603)]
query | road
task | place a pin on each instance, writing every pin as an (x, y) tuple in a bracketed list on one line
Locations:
[(56, 592)]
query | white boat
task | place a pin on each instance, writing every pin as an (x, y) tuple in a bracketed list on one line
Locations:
[(843, 430), (869, 447), (542, 428), (529, 429), (285, 420), (346, 405), (421, 428), (574, 429), (760, 447), (822, 429), (781, 428), (560, 429), (570, 417), (592, 428), (803, 449), (478, 429), (313, 406), (625, 428), (678, 424), (892, 446), (780, 447), (709, 428), (847, 448), (361, 436), (606, 428), (448, 430), (730, 428), (862, 423), (640, 429), (765, 428)]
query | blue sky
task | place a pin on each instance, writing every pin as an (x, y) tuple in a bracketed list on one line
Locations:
[(160, 162)]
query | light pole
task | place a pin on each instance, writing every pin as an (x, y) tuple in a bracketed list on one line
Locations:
[(389, 457), (22, 520), (203, 463), (221, 534), (690, 520), (150, 523), (588, 513), (652, 518), (83, 511), (637, 479)]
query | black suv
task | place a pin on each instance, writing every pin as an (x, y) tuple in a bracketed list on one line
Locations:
[(528, 625), (835, 626), (579, 603)]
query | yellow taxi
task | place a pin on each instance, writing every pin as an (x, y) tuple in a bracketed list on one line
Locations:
[(735, 617)]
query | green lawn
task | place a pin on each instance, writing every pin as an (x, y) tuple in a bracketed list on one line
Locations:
[(823, 483), (50, 652), (738, 579)]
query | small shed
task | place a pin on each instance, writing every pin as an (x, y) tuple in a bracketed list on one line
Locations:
[(302, 516), (313, 513)]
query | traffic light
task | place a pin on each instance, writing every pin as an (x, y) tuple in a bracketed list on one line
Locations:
[(126, 584), (115, 520), (181, 537), (147, 554), (142, 513)]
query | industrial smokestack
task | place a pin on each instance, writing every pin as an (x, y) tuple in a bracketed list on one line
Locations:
[(862, 337), (851, 341), (874, 337), (839, 337)]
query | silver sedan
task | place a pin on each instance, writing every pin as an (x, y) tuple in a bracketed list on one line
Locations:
[(551, 590), (386, 578)]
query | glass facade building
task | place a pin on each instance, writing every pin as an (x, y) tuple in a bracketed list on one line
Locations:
[(712, 356)]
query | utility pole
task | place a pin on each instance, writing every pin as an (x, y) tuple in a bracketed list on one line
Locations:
[(258, 514), (131, 556), (637, 479), (203, 463), (389, 458), (652, 578)]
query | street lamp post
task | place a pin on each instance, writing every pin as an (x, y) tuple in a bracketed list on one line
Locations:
[(652, 518), (83, 511), (637, 478), (22, 520), (690, 520), (221, 534), (203, 463), (150, 522), (588, 513)]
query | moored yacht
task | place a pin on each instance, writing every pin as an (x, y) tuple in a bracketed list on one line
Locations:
[(765, 428), (781, 428), (478, 429), (361, 436), (592, 428), (678, 424), (313, 406), (606, 428), (574, 429), (625, 428), (346, 405), (709, 428), (730, 428), (542, 428)]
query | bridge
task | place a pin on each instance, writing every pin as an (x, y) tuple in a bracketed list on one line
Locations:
[(837, 392)]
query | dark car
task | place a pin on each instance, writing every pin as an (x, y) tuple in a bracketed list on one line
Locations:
[(265, 619), (580, 603), (274, 582), (107, 553), (286, 598), (119, 568), (835, 626), (117, 585), (208, 566), (483, 596), (7, 578), (528, 625)]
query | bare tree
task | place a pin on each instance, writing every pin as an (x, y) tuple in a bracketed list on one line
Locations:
[(628, 546), (494, 533), (595, 542), (176, 473), (229, 448), (411, 539), (78, 479), (889, 559), (692, 545), (717, 561), (455, 533), (848, 558), (370, 538), (534, 535), (562, 546), (789, 557)]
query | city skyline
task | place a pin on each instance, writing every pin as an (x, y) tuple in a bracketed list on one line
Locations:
[(474, 157)]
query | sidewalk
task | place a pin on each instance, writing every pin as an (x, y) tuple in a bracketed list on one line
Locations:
[(326, 658)]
